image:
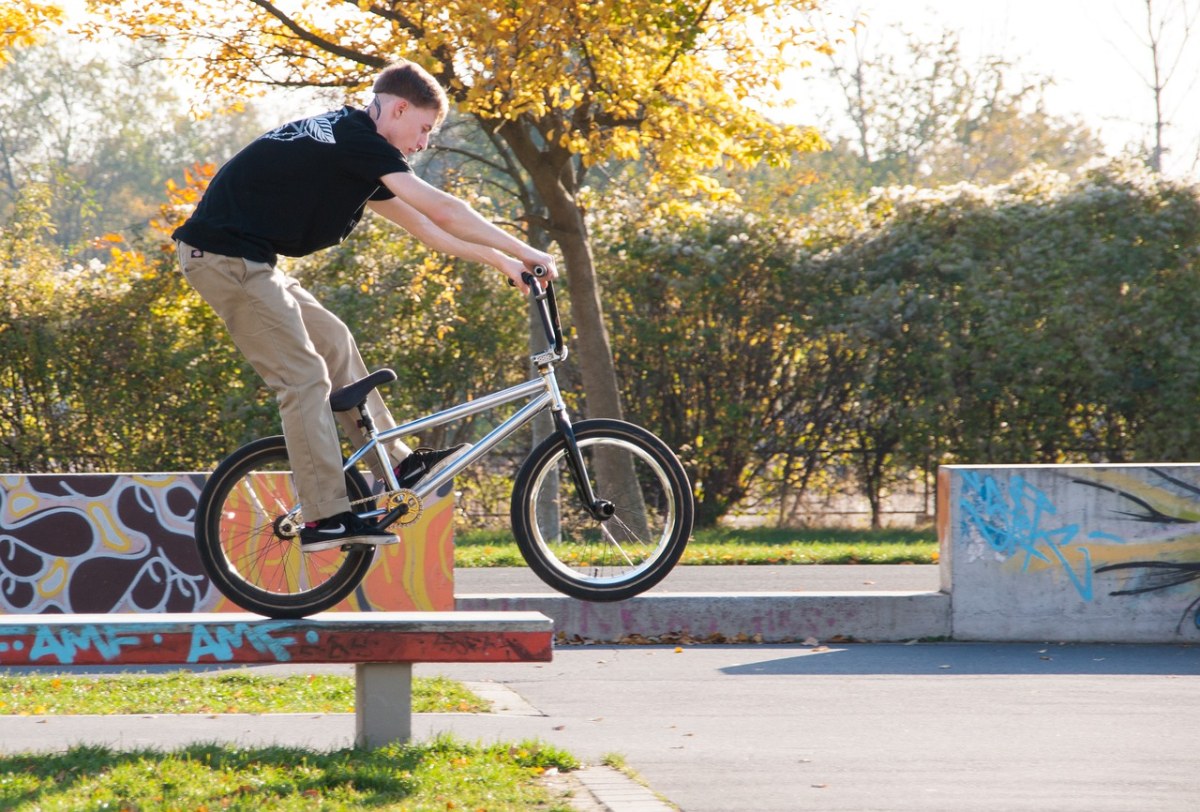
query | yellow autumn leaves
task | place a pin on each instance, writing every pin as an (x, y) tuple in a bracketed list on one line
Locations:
[(23, 21), (680, 84)]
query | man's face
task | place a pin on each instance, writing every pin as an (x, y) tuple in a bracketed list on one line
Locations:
[(412, 127)]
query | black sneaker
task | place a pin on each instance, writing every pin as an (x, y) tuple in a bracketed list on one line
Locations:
[(341, 530), (424, 462)]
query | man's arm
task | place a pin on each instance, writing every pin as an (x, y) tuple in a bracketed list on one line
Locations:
[(454, 217), (425, 230)]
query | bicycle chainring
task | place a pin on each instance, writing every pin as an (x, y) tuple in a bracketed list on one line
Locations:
[(409, 500)]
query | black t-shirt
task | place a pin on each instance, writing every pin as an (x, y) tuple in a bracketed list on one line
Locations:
[(295, 190)]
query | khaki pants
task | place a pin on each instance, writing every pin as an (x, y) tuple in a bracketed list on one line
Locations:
[(303, 352)]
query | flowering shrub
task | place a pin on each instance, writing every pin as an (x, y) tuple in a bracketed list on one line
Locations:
[(1047, 319)]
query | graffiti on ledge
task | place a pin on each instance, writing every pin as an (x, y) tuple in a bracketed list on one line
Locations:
[(1146, 532), (109, 543), (104, 643), (97, 544), (1017, 518)]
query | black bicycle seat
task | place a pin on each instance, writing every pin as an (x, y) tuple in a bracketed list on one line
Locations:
[(355, 394)]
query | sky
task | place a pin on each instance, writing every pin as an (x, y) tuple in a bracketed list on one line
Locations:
[(1093, 50)]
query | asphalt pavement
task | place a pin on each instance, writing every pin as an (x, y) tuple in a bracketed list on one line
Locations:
[(759, 728), (943, 726)]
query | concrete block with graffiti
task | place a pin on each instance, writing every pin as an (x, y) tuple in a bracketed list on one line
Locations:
[(102, 543), (1106, 553)]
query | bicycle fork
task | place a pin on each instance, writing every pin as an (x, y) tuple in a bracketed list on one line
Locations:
[(600, 509)]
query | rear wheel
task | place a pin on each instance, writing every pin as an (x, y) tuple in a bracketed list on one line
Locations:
[(603, 559), (247, 532)]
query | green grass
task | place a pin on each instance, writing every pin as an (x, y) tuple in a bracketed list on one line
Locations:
[(183, 692), (478, 548), (439, 775)]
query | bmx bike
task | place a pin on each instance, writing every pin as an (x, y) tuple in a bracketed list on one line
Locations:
[(601, 509)]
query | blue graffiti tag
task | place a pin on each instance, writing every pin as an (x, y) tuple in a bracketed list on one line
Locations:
[(221, 645), (1015, 521), (63, 645)]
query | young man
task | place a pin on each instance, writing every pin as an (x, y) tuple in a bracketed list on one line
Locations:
[(301, 188)]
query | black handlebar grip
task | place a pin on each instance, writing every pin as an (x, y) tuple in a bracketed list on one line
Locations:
[(538, 270)]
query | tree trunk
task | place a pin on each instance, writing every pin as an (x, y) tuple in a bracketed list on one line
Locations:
[(556, 186), (590, 340)]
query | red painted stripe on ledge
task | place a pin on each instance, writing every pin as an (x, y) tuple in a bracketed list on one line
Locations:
[(241, 643)]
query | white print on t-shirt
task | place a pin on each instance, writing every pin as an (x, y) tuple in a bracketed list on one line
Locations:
[(318, 128)]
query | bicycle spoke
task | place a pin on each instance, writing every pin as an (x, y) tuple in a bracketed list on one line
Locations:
[(248, 536), (624, 554), (607, 534)]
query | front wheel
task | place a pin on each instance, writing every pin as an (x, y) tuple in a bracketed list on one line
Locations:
[(603, 559), (247, 533)]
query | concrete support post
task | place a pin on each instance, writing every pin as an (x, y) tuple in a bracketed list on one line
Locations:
[(382, 704)]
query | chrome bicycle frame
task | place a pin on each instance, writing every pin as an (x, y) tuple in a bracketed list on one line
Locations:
[(542, 393)]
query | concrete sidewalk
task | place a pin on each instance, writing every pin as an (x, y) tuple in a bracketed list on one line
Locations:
[(774, 604), (941, 726), (729, 580)]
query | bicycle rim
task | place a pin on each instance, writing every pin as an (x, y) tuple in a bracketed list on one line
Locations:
[(251, 551), (613, 559)]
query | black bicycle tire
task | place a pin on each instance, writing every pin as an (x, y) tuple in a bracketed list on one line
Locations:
[(524, 514), (216, 563)]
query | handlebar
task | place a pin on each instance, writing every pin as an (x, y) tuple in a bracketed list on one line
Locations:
[(543, 298), (538, 270)]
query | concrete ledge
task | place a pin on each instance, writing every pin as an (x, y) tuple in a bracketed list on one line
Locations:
[(775, 617), (1072, 553), (244, 639), (78, 544), (382, 646)]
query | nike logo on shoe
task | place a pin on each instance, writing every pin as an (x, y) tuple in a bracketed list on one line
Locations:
[(343, 530)]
